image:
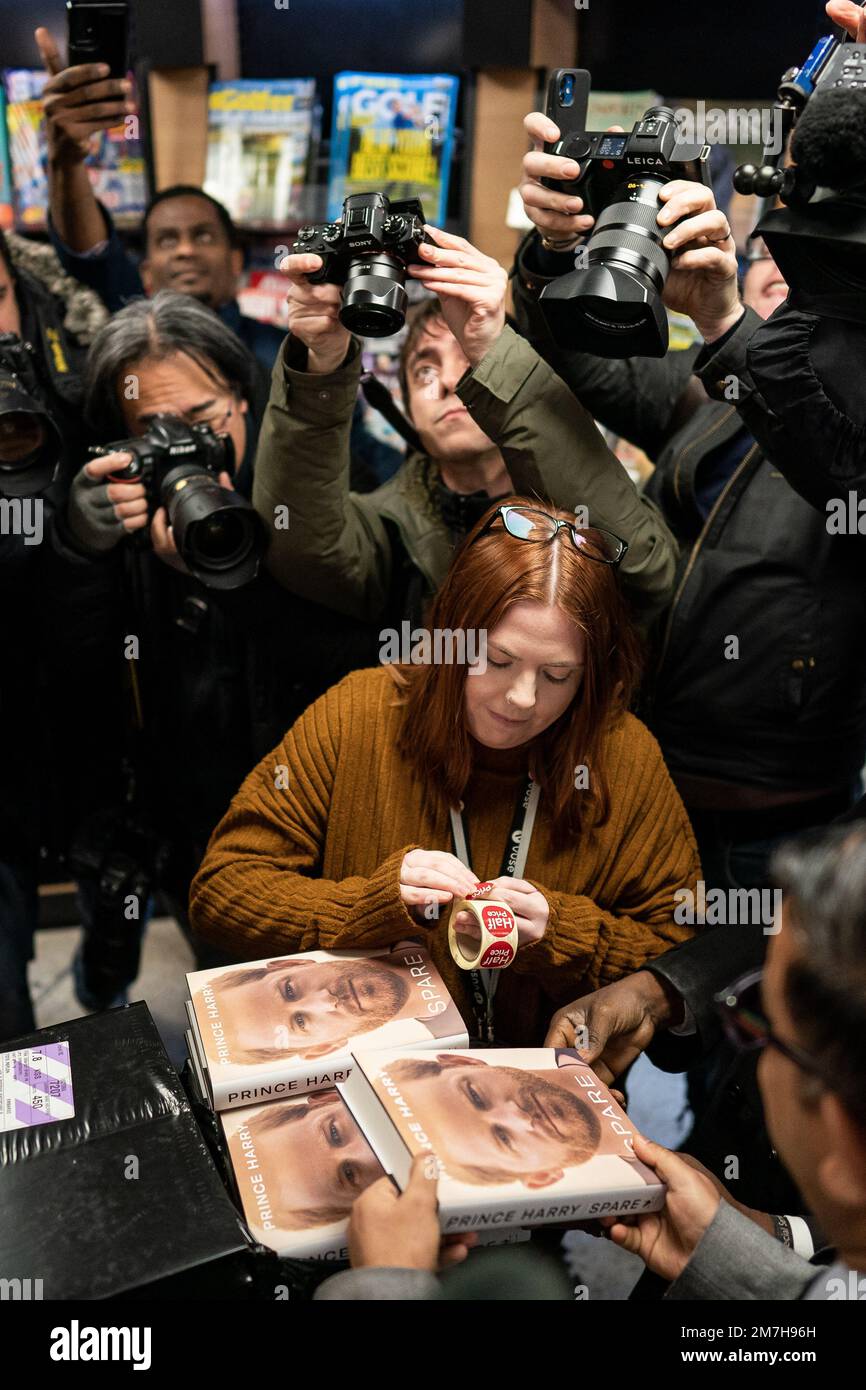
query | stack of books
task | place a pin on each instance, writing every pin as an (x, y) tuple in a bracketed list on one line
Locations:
[(331, 1068)]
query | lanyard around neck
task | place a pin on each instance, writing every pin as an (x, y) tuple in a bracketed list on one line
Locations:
[(484, 982), (520, 835)]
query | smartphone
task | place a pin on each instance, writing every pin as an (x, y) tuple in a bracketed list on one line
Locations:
[(567, 103), (97, 33)]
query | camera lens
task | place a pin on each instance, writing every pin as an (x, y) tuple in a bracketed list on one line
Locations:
[(566, 90), (374, 296), (221, 539), (216, 531), (21, 436), (613, 305)]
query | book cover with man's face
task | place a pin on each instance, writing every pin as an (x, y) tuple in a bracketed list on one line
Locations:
[(299, 1164), (504, 1122), (295, 1011)]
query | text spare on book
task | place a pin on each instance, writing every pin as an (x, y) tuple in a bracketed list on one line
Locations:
[(274, 1028), (521, 1136)]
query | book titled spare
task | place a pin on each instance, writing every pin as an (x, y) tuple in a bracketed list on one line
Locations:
[(521, 1136), (298, 1166), (270, 1029)]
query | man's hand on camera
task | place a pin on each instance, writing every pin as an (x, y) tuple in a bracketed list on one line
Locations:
[(100, 512), (314, 314), (703, 278), (850, 16), (558, 216), (162, 535), (612, 1027), (471, 289), (78, 102)]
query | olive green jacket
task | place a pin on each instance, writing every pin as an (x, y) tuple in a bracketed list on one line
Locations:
[(338, 546)]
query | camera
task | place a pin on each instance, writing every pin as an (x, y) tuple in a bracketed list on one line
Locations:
[(818, 238), (613, 307), (30, 442), (367, 252), (219, 536)]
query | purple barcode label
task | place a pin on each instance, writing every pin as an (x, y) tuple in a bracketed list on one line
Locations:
[(35, 1086)]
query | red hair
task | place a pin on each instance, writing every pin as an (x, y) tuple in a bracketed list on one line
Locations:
[(484, 580)]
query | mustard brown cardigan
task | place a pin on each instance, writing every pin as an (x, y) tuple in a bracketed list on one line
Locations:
[(309, 854)]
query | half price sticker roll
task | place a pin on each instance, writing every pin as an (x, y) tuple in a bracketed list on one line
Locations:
[(495, 947)]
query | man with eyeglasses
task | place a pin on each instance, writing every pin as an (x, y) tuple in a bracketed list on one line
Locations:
[(489, 419), (218, 674), (804, 1016)]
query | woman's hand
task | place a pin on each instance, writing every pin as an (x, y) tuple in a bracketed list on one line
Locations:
[(530, 908), (471, 289), (430, 879)]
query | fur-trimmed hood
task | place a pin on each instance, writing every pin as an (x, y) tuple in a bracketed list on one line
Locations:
[(83, 312)]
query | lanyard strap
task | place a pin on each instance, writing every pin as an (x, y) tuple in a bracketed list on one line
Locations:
[(514, 858)]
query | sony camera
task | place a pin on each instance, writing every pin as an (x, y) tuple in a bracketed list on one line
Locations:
[(30, 442), (818, 238), (613, 307), (216, 531), (367, 252)]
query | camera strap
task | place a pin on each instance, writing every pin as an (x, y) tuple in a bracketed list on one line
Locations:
[(484, 982), (379, 397)]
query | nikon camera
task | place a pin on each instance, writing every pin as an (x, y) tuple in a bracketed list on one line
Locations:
[(614, 307), (367, 252), (216, 531)]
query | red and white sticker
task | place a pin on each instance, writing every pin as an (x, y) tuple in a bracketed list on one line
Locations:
[(499, 921), (497, 956)]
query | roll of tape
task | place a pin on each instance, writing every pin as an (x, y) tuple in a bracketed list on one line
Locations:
[(495, 948)]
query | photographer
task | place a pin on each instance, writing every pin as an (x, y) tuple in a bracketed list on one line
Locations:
[(802, 392), (190, 242), (491, 419), (218, 671), (762, 737), (56, 765)]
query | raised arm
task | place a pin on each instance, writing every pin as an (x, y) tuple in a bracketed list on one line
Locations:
[(334, 548)]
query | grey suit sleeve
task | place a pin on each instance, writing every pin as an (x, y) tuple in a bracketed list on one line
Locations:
[(374, 1285), (735, 1259)]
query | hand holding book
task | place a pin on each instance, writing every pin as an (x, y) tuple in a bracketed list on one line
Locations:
[(666, 1240), (389, 1229), (613, 1026)]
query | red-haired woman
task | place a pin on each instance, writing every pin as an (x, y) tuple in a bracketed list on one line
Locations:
[(403, 786)]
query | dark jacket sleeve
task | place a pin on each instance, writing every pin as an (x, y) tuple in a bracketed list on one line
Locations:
[(644, 399), (697, 971), (111, 273), (803, 400)]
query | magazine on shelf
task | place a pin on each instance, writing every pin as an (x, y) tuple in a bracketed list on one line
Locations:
[(259, 140), (394, 134)]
